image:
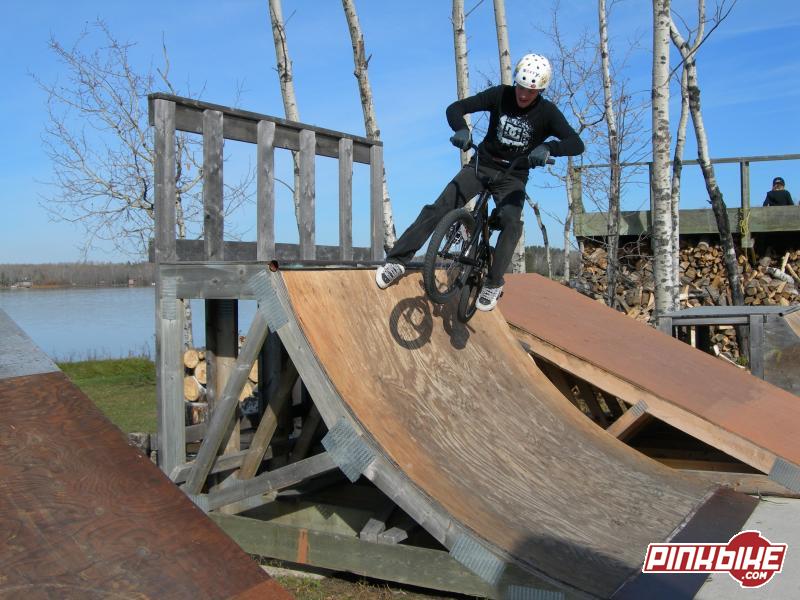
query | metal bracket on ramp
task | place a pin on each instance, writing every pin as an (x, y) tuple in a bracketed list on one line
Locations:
[(347, 449), (785, 473), (264, 291), (518, 592), (478, 559)]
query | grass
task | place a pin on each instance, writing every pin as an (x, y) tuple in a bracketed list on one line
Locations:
[(124, 389)]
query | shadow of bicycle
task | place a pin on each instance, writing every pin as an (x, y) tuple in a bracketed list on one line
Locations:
[(412, 322)]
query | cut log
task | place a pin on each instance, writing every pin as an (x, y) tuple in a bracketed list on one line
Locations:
[(191, 358), (192, 390), (200, 372)]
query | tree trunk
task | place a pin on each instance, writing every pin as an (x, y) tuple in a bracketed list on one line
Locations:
[(462, 67), (545, 240), (361, 63), (677, 168), (284, 66), (613, 159), (502, 42), (714, 193), (518, 259), (571, 174), (660, 179)]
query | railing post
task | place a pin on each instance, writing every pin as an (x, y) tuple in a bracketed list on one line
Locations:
[(265, 191), (346, 199), (376, 200), (169, 316), (308, 248), (744, 178)]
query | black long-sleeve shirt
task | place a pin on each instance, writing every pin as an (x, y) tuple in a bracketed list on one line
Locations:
[(514, 131), (778, 198)]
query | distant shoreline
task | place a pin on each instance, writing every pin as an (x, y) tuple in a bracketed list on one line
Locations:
[(62, 286)]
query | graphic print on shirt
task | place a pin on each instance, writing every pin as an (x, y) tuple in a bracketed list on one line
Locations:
[(514, 131)]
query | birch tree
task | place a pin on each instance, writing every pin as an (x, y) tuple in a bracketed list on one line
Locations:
[(286, 79), (688, 54), (458, 20), (665, 292), (361, 62), (504, 54), (613, 159)]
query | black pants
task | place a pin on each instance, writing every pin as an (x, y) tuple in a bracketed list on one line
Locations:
[(509, 195)]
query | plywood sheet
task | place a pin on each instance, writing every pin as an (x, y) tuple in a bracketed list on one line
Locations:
[(84, 515), (691, 380)]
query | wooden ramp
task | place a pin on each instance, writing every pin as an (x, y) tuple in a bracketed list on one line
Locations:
[(659, 376), (459, 427), (84, 515)]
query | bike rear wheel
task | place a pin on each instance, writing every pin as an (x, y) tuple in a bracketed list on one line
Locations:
[(443, 271)]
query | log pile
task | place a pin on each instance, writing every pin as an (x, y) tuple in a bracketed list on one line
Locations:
[(195, 379), (771, 282)]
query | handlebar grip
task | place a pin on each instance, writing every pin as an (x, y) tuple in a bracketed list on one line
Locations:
[(551, 161)]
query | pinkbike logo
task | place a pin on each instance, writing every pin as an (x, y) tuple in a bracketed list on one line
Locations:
[(748, 557)]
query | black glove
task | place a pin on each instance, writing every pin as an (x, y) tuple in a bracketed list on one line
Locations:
[(461, 139), (538, 156)]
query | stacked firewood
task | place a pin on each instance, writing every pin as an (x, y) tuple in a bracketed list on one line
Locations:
[(771, 282), (195, 382)]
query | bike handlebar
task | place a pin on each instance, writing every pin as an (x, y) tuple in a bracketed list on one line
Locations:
[(513, 163)]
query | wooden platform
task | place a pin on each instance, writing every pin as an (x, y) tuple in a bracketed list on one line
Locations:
[(460, 428), (658, 375), (84, 515)]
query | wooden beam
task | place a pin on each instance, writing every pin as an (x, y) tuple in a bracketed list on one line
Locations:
[(265, 191), (310, 426), (632, 421), (226, 462), (226, 407), (192, 250), (307, 223), (401, 563), (587, 393), (376, 201), (169, 321), (269, 422), (271, 481), (213, 213), (346, 198)]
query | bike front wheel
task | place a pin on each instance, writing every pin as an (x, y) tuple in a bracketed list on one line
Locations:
[(444, 270)]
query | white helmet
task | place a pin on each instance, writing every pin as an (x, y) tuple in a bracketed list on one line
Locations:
[(533, 71)]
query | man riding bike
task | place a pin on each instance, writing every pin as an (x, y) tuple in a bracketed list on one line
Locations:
[(520, 120)]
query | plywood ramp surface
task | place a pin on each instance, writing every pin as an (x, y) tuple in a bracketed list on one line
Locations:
[(667, 368), (467, 417), (84, 515)]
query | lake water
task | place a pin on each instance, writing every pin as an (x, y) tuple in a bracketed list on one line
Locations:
[(76, 324)]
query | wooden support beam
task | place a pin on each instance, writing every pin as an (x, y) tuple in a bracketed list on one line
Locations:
[(271, 481), (226, 407), (630, 422), (265, 191), (269, 422), (226, 462), (376, 524), (346, 199), (169, 317), (401, 563), (310, 426)]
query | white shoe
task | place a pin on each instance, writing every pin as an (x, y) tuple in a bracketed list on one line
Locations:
[(388, 273), (488, 298)]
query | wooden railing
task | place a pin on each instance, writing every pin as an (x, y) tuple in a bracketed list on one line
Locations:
[(695, 221), (216, 123), (222, 273)]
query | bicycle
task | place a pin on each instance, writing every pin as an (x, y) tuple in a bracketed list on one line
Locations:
[(459, 254)]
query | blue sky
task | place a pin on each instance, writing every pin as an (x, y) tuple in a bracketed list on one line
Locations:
[(749, 76)]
